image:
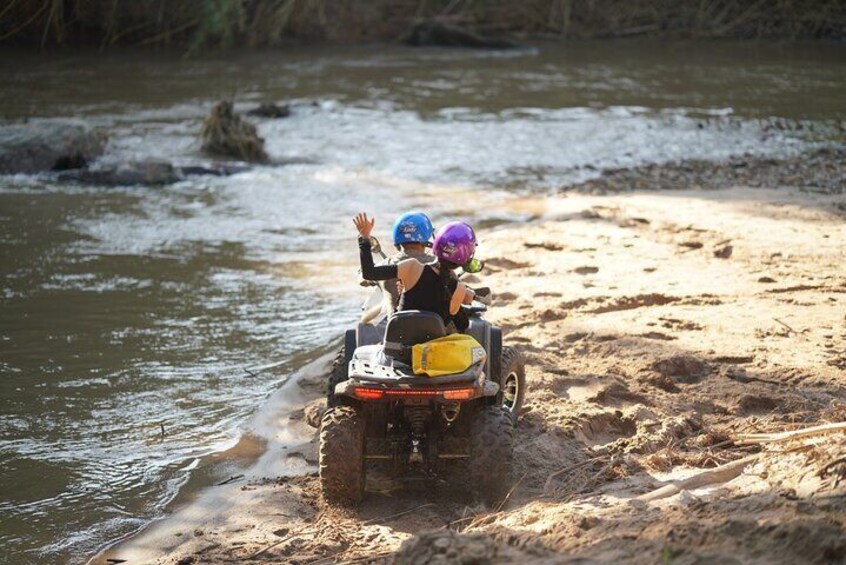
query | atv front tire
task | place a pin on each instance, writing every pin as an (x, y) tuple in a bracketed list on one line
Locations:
[(492, 454), (342, 472), (337, 375), (512, 382), (340, 368)]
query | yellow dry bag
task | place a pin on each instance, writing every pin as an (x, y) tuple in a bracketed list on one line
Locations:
[(446, 355)]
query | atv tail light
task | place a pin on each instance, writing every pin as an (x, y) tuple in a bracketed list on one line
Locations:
[(458, 394), (368, 393)]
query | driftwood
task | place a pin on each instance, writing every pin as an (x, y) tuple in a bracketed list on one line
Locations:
[(719, 474), (227, 134), (793, 434), (556, 474), (785, 325), (231, 479)]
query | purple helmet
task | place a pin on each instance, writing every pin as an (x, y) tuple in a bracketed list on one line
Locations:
[(455, 242)]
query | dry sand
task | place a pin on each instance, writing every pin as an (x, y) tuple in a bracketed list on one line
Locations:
[(656, 327)]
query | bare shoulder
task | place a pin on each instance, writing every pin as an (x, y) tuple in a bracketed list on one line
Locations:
[(409, 271)]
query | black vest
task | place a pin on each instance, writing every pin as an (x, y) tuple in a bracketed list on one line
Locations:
[(430, 294)]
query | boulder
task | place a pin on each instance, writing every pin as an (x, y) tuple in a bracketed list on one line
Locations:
[(147, 172), (216, 170), (270, 110), (436, 34), (48, 145), (227, 134)]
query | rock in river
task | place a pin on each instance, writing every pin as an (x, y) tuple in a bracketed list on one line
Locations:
[(149, 172), (270, 110), (48, 145)]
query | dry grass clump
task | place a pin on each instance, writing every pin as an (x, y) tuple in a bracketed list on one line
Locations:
[(227, 134)]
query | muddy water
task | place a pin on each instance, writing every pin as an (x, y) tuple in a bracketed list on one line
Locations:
[(140, 326)]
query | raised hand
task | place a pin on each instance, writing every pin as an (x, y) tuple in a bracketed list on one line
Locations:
[(364, 225)]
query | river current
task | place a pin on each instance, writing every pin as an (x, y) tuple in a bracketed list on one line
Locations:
[(141, 326)]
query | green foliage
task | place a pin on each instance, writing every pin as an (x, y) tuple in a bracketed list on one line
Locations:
[(204, 24), (219, 22)]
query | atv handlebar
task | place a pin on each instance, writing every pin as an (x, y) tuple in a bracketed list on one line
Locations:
[(475, 308), (482, 295)]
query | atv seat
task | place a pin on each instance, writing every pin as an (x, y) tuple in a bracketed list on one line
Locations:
[(409, 328), (367, 334)]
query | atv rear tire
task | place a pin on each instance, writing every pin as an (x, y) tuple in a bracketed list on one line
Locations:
[(512, 382), (492, 454), (342, 472)]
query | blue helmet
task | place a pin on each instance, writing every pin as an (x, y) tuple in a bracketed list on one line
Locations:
[(413, 227)]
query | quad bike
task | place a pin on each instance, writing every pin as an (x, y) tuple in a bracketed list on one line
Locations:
[(504, 364), (380, 410)]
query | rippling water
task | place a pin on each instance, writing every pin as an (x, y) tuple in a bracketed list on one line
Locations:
[(126, 312)]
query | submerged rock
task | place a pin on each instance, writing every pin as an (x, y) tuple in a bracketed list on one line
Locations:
[(149, 172), (48, 145), (227, 134), (435, 34), (270, 110), (135, 172)]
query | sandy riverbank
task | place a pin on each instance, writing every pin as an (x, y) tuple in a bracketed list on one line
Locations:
[(656, 326)]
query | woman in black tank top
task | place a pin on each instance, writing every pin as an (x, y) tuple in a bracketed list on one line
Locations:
[(433, 291)]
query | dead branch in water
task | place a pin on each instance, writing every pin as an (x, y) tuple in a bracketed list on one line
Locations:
[(227, 134), (231, 479)]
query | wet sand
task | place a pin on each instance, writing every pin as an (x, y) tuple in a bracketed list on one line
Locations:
[(657, 328)]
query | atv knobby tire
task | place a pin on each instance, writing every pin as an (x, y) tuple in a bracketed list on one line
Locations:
[(512, 382), (337, 375), (342, 473), (492, 454)]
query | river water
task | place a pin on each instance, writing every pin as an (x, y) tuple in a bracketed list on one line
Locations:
[(141, 326)]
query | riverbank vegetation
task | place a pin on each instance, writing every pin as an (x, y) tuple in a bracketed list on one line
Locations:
[(202, 24)]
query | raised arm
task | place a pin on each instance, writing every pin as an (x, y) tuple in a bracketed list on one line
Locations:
[(369, 271)]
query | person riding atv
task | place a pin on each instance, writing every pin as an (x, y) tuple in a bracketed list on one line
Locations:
[(427, 287), (426, 291), (412, 237), (423, 400)]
